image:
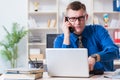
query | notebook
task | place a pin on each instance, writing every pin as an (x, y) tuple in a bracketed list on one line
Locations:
[(67, 62)]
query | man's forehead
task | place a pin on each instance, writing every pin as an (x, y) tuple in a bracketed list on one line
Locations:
[(71, 12)]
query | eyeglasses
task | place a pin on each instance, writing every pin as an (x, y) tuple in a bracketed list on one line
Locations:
[(73, 19)]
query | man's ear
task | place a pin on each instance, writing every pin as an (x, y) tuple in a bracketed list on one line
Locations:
[(86, 16)]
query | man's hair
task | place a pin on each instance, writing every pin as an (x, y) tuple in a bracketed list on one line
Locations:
[(76, 5)]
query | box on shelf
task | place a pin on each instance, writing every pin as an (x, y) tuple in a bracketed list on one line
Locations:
[(34, 39), (36, 56), (34, 51)]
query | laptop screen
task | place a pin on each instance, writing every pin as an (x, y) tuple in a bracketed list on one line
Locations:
[(67, 62)]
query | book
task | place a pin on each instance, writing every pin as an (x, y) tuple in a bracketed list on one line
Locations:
[(23, 73), (95, 20), (22, 76), (24, 70), (116, 36), (49, 22), (52, 23), (115, 75)]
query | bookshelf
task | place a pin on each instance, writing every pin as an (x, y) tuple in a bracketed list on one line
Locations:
[(46, 18), (42, 20), (103, 7)]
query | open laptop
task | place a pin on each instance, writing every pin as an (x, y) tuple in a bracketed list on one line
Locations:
[(67, 62)]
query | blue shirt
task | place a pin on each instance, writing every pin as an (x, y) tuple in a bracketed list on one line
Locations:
[(97, 40)]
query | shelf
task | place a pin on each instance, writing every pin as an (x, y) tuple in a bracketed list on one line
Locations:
[(42, 21), (103, 5), (42, 12), (41, 28), (42, 5), (54, 10), (101, 12), (110, 28), (37, 43)]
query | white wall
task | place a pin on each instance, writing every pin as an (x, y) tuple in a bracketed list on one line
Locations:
[(13, 11)]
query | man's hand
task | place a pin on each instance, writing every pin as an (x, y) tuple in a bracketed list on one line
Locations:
[(91, 62), (65, 29)]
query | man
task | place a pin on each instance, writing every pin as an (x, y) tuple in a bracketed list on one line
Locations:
[(101, 49)]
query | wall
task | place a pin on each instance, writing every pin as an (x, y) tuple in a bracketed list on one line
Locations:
[(13, 11)]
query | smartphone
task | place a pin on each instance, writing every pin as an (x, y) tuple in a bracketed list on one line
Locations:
[(70, 28)]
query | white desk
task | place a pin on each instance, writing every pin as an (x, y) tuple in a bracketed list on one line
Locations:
[(96, 77)]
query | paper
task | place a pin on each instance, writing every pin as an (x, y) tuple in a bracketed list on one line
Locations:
[(112, 76)]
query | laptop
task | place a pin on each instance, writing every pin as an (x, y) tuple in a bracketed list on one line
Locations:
[(67, 62)]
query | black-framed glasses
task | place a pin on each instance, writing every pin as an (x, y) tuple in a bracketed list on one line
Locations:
[(73, 19)]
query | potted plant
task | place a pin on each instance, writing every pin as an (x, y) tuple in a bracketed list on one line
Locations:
[(9, 46)]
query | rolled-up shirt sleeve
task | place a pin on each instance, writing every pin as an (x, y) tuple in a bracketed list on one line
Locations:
[(58, 43)]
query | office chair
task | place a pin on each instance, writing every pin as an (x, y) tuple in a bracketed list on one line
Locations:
[(50, 40)]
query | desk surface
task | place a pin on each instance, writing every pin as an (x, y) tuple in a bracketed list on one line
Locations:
[(95, 77)]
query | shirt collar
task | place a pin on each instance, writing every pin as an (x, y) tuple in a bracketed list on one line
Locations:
[(84, 35)]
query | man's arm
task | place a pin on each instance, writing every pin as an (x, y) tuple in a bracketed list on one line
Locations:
[(64, 40), (109, 50), (58, 42)]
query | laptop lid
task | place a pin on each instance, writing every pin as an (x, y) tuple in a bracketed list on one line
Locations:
[(67, 62)]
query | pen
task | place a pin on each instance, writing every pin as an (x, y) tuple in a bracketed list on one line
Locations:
[(107, 76)]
